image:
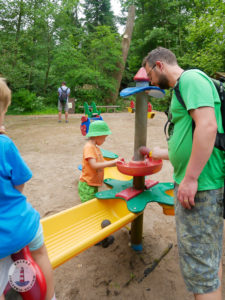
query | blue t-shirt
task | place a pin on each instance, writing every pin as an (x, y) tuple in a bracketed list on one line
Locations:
[(19, 221)]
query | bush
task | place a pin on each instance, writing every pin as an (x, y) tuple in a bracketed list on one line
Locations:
[(161, 104), (124, 102), (26, 101)]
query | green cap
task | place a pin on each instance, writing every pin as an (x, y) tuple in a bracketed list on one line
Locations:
[(98, 128)]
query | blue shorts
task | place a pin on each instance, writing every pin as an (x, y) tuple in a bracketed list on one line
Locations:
[(200, 240), (38, 240)]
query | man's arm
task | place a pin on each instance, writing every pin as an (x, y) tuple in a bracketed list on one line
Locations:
[(156, 153), (203, 142)]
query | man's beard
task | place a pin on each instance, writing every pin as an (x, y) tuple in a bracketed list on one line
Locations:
[(163, 82)]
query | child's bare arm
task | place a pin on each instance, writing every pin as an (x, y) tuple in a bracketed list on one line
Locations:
[(20, 187), (100, 165)]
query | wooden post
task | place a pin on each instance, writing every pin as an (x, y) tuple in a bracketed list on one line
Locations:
[(139, 181)]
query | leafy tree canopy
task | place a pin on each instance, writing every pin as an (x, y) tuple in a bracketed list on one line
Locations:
[(43, 42)]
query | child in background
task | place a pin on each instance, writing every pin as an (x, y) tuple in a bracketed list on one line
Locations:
[(93, 165), (19, 221)]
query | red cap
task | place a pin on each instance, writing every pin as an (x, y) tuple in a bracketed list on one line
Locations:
[(141, 75)]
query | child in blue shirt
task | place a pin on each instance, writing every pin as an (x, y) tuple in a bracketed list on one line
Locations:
[(19, 221)]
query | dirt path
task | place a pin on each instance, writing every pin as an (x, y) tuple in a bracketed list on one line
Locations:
[(53, 151)]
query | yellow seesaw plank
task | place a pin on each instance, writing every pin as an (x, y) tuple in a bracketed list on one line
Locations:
[(114, 173), (74, 230)]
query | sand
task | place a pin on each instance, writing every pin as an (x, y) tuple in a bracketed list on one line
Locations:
[(53, 151)]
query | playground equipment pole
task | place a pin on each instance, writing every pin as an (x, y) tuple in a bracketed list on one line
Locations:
[(139, 181)]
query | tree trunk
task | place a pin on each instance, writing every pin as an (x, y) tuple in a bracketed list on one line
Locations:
[(34, 38), (125, 49), (18, 28), (49, 62), (18, 25)]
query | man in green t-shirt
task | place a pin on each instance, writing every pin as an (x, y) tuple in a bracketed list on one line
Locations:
[(198, 171)]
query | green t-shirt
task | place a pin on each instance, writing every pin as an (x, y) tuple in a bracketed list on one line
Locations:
[(197, 90)]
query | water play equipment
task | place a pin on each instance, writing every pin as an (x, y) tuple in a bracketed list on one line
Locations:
[(142, 85), (131, 109), (151, 113), (74, 230), (91, 114), (139, 168)]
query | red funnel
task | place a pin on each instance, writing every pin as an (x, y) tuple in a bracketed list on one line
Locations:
[(139, 168)]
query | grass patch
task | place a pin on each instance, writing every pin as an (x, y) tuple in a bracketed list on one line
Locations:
[(45, 111)]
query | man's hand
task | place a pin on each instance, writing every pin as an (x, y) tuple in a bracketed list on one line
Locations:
[(159, 153), (187, 191), (156, 153), (144, 150)]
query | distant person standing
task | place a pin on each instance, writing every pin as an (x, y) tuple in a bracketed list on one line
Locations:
[(64, 93)]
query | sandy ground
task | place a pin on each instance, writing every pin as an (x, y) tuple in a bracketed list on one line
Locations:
[(53, 151)]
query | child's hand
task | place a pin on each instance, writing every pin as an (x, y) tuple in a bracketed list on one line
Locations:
[(2, 129), (144, 151), (117, 159)]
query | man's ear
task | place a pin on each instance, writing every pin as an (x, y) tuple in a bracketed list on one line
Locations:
[(159, 65)]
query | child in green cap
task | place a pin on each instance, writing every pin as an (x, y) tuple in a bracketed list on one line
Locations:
[(93, 163)]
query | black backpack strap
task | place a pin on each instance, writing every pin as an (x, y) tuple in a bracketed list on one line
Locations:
[(222, 98), (221, 91), (166, 127), (180, 99), (177, 90), (178, 94), (64, 90)]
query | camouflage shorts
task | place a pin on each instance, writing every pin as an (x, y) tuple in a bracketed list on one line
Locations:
[(200, 240), (86, 192)]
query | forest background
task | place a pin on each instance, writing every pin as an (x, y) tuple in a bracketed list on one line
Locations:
[(44, 42)]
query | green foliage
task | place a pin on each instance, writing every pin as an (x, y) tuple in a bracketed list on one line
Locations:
[(206, 44), (123, 103), (161, 104), (92, 79), (98, 13), (158, 23), (194, 30), (45, 42), (26, 101)]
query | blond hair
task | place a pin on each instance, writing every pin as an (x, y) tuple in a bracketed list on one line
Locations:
[(5, 96)]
